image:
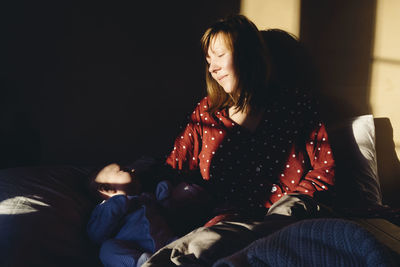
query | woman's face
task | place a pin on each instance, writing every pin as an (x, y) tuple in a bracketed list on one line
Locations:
[(220, 60)]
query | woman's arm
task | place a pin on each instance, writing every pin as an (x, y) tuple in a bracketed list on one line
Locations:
[(308, 171), (321, 176), (183, 161), (187, 145)]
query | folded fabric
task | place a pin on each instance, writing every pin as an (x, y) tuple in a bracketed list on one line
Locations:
[(315, 242)]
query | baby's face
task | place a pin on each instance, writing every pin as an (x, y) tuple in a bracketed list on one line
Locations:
[(111, 180)]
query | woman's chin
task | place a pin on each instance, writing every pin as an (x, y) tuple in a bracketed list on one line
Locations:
[(228, 90)]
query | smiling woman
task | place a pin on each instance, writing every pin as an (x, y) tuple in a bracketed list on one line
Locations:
[(257, 145), (236, 69), (220, 60)]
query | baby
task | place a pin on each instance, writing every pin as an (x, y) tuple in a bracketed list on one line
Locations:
[(129, 224)]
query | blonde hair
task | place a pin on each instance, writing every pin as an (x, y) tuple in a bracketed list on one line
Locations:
[(250, 64)]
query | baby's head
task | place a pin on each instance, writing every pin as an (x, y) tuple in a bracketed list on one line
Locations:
[(112, 180)]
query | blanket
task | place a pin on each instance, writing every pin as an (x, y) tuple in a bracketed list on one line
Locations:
[(315, 242)]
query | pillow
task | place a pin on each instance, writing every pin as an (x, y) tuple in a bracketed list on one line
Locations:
[(43, 216), (353, 146)]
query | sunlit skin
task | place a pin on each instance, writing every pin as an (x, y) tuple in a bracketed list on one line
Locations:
[(221, 65), (111, 181)]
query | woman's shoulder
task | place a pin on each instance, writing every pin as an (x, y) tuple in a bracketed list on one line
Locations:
[(203, 105)]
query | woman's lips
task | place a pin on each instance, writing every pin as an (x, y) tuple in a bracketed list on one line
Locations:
[(220, 78)]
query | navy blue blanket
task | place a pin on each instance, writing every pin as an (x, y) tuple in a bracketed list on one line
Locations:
[(315, 242)]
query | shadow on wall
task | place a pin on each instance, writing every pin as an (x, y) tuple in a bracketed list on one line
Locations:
[(19, 138), (19, 142), (101, 82), (340, 37)]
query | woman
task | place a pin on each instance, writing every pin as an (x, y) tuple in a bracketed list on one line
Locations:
[(253, 145)]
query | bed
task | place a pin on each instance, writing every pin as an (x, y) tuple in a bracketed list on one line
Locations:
[(44, 209)]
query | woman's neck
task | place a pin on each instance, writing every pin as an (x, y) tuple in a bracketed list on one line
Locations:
[(249, 118)]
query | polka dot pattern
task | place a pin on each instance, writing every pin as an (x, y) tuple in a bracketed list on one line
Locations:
[(255, 169)]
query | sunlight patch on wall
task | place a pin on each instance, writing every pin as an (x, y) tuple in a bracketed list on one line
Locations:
[(385, 80), (266, 14)]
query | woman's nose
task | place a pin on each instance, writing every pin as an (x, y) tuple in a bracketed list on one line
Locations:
[(213, 67)]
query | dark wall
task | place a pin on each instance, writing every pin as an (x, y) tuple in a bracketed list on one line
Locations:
[(340, 37), (98, 81), (92, 82)]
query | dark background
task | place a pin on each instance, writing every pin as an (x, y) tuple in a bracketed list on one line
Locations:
[(93, 82)]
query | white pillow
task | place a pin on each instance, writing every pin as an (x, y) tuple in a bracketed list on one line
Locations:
[(364, 134), (353, 145)]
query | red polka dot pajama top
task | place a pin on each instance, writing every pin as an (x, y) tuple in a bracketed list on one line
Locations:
[(285, 154)]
